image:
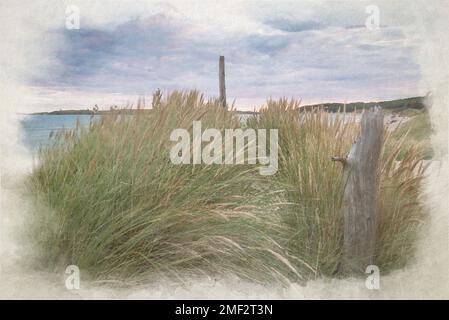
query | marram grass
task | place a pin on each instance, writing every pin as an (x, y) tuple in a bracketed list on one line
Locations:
[(119, 209), (310, 206)]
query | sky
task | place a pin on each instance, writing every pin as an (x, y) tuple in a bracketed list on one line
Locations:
[(317, 51)]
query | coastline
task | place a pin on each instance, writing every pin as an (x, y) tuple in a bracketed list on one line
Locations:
[(397, 105)]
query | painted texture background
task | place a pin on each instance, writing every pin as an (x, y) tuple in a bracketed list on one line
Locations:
[(40, 70)]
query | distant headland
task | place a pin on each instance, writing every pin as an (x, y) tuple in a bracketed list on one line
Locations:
[(391, 105)]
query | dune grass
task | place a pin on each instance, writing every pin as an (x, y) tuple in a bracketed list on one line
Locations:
[(418, 130), (119, 209), (311, 203)]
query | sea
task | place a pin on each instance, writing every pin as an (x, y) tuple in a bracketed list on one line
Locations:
[(35, 130)]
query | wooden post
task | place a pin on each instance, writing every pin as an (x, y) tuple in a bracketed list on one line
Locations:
[(359, 200), (222, 86)]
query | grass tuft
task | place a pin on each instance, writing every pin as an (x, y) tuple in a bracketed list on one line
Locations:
[(310, 207), (119, 209)]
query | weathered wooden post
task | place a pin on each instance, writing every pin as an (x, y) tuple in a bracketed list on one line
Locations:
[(359, 199), (221, 80)]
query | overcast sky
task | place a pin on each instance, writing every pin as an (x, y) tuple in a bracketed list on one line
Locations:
[(318, 51)]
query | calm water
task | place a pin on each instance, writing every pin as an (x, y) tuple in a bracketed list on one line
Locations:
[(35, 129)]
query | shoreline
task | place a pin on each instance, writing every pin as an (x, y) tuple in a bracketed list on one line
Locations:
[(398, 105)]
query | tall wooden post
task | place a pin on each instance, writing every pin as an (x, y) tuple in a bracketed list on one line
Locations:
[(221, 80), (359, 199)]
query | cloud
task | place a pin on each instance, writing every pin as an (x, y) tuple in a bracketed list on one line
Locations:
[(290, 25), (270, 44), (275, 54)]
